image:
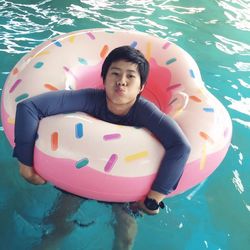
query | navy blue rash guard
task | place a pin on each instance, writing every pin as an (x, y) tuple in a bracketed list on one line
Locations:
[(92, 101)]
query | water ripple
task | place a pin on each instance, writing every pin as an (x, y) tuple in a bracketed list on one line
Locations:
[(237, 13), (242, 66), (242, 105), (237, 182), (125, 20), (243, 83), (132, 6), (180, 9), (244, 123), (23, 26), (231, 47), (173, 18)]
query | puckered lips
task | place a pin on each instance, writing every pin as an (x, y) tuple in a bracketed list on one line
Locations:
[(120, 91)]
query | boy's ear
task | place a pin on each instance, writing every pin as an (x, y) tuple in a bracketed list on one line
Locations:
[(142, 88)]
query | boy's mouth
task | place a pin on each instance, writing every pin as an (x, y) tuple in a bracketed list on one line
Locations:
[(120, 91)]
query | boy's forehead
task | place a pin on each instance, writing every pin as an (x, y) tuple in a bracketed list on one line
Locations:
[(124, 65)]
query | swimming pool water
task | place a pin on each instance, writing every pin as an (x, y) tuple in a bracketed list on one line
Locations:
[(214, 215)]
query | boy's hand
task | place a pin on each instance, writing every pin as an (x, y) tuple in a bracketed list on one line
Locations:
[(143, 208), (30, 175), (158, 197)]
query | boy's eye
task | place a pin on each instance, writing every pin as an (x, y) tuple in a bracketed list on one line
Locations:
[(114, 73), (131, 76)]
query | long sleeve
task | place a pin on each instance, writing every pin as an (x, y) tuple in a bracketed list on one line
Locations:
[(32, 110), (175, 143)]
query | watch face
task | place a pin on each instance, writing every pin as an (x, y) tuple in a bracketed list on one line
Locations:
[(151, 204)]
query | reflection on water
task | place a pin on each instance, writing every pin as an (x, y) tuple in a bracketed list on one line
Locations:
[(244, 123), (238, 183), (243, 66), (242, 105), (237, 13), (232, 47), (216, 34)]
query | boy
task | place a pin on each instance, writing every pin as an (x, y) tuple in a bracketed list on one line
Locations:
[(124, 74)]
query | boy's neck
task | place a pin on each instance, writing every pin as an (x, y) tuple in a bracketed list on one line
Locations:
[(117, 109)]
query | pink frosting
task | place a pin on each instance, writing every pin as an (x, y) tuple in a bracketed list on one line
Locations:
[(90, 183)]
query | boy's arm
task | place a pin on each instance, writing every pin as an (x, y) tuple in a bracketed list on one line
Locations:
[(177, 149), (28, 115)]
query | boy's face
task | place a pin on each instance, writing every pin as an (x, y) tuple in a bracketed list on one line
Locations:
[(122, 84)]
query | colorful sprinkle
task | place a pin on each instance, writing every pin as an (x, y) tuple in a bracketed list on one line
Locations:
[(82, 61), (206, 137), (82, 163), (172, 101), (109, 31), (69, 71), (15, 71), (50, 87), (195, 98), (202, 90), (166, 45), (15, 85), (38, 65), (111, 137), (46, 52), (172, 60), (178, 112), (111, 162), (54, 141), (11, 120), (148, 50), (209, 110), (66, 68), (203, 157), (57, 43), (91, 36), (21, 97), (136, 156), (71, 39), (175, 86), (104, 51), (191, 72), (79, 130), (133, 44)]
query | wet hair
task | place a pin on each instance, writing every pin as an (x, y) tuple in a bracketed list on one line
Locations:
[(128, 54)]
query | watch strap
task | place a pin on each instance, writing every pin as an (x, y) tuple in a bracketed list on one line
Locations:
[(152, 204)]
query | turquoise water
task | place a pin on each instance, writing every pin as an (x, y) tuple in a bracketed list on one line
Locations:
[(214, 215)]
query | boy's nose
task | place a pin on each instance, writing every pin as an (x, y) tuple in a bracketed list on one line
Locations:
[(122, 81)]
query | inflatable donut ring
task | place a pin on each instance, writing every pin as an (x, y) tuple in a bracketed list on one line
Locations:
[(103, 161)]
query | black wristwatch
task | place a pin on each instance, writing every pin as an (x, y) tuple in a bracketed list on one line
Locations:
[(152, 204)]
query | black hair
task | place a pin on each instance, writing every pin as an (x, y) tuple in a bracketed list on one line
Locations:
[(128, 54)]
